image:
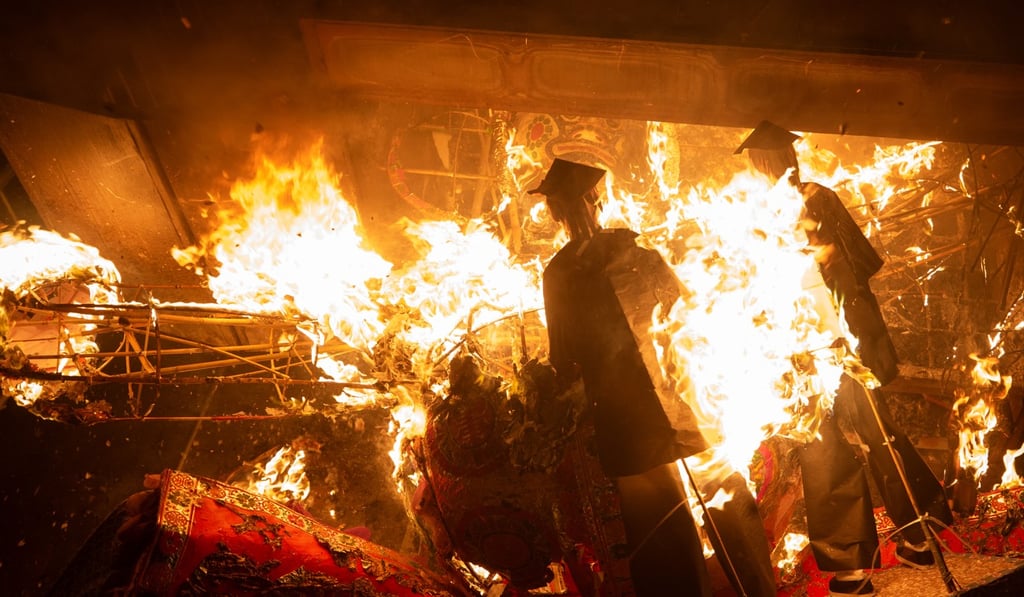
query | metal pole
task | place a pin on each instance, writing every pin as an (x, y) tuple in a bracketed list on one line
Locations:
[(947, 577), (709, 520), (714, 528)]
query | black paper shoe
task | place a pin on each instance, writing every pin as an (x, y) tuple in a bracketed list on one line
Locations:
[(914, 557)]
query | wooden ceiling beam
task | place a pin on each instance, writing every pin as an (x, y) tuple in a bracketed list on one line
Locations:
[(674, 82)]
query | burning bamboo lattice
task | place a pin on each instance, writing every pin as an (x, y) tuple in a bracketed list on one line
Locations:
[(289, 217)]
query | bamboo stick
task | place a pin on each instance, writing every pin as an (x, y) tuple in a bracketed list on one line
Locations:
[(195, 380)]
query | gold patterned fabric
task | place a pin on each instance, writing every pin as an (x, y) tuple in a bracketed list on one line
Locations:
[(213, 538)]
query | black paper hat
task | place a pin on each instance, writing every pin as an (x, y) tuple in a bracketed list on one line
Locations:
[(767, 135), (569, 179)]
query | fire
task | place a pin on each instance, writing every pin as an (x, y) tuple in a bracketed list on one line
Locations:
[(49, 268), (34, 256), (746, 344), (646, 214), (408, 420), (1010, 478), (464, 280), (698, 506), (986, 373), (977, 417), (787, 553), (868, 188), (976, 407), (752, 344), (518, 162), (283, 477), (293, 245)]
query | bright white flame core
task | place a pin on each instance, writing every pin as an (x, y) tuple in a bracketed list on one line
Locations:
[(35, 256), (730, 344), (52, 269), (295, 248), (464, 276)]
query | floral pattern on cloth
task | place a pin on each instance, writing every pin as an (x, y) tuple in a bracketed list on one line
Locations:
[(994, 529), (216, 538)]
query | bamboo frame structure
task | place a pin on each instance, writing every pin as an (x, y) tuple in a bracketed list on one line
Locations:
[(149, 345)]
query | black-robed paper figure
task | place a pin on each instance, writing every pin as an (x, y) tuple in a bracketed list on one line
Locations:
[(840, 518), (600, 292)]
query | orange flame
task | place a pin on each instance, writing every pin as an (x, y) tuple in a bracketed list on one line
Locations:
[(465, 279), (33, 256), (750, 345), (408, 420), (1010, 478), (50, 268), (291, 245), (787, 553), (747, 344), (294, 247), (975, 424), (868, 188), (753, 345), (283, 477), (977, 414)]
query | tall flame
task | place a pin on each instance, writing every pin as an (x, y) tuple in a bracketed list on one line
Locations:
[(752, 344), (293, 244), (977, 415), (747, 344)]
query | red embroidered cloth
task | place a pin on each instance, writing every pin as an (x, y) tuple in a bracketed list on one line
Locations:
[(216, 538), (993, 530)]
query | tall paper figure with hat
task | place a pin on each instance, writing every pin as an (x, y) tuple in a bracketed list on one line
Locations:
[(600, 292), (840, 518)]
